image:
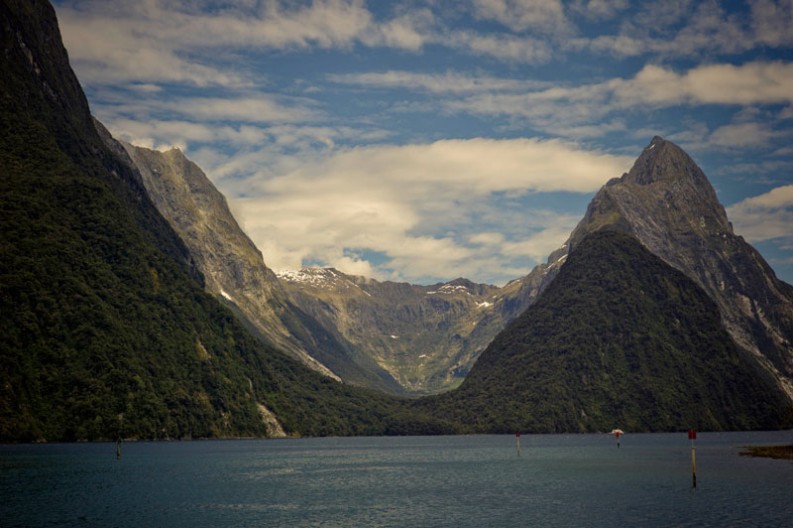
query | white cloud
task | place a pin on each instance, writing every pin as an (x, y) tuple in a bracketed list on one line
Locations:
[(148, 41), (563, 108), (444, 83), (409, 31), (765, 217), (771, 22), (398, 201), (694, 29), (509, 48), (110, 44), (599, 9), (750, 83), (258, 109), (541, 244), (518, 15), (742, 135)]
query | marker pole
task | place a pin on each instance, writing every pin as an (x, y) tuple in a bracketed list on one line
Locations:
[(517, 441), (692, 435)]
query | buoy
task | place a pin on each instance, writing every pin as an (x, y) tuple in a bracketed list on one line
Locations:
[(617, 434)]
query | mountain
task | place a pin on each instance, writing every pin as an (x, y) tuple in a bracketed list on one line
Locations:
[(665, 201), (618, 339), (234, 269), (668, 204), (106, 329), (387, 336), (425, 337)]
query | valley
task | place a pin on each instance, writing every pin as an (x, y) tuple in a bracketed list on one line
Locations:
[(135, 306)]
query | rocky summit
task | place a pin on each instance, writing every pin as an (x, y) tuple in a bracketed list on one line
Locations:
[(668, 204)]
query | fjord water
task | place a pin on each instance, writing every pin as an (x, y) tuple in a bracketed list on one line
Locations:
[(558, 480)]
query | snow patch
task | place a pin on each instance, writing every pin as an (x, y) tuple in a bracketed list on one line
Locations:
[(326, 278), (449, 289), (226, 296)]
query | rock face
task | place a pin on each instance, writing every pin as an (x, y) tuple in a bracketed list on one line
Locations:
[(425, 337), (234, 269), (667, 203)]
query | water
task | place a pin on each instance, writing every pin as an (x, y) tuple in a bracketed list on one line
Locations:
[(558, 480)]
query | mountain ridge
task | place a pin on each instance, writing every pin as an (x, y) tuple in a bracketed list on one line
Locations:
[(424, 336), (235, 270), (667, 202)]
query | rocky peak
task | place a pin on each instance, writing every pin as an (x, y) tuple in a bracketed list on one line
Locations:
[(668, 204), (662, 161), (665, 194)]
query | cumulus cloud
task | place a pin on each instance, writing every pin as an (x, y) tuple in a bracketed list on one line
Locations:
[(599, 9), (148, 41), (764, 217), (414, 205), (743, 135), (510, 48), (259, 109)]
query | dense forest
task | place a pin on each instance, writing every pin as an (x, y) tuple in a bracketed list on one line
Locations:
[(618, 339)]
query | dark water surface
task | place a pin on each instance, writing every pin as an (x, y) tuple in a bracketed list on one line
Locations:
[(558, 480)]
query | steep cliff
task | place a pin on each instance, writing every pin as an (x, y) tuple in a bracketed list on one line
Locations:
[(668, 204)]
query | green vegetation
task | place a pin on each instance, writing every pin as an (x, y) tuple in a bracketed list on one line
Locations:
[(619, 339), (105, 329)]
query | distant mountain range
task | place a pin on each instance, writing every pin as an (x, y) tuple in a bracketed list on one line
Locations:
[(134, 305), (424, 339), (355, 329)]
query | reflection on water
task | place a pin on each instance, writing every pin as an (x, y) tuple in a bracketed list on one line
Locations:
[(558, 480)]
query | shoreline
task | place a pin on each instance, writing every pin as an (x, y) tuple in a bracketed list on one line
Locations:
[(782, 452)]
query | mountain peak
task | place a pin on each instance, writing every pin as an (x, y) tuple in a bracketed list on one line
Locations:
[(664, 161)]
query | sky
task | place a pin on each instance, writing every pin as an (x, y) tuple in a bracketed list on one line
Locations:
[(425, 140)]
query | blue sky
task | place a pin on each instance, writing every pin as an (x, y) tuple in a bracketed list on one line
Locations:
[(422, 140)]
